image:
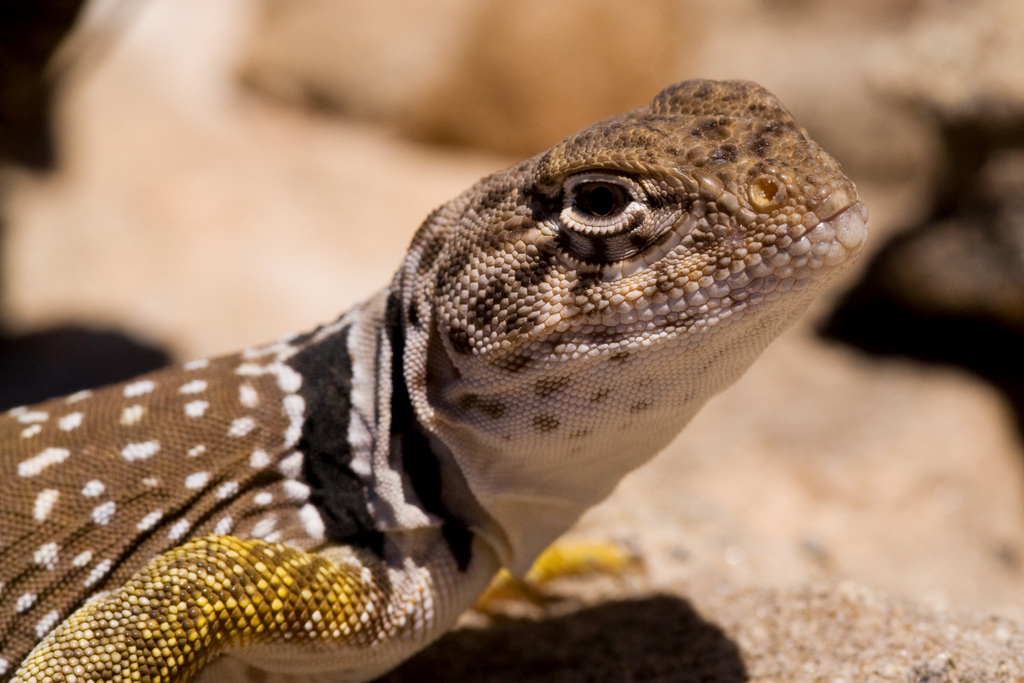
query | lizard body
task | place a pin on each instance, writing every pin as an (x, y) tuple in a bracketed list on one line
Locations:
[(332, 502)]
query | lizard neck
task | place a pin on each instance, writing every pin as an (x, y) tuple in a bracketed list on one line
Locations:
[(372, 467), (536, 457)]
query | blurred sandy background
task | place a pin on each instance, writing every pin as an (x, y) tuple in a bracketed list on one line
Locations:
[(229, 172)]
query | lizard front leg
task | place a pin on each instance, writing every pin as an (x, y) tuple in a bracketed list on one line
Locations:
[(273, 606)]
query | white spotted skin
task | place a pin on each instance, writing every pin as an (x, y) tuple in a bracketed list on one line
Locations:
[(45, 501), (37, 463), (70, 421), (31, 431), (140, 472), (132, 414), (196, 408), (87, 497)]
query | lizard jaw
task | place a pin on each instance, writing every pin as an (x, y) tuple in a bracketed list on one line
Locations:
[(844, 233)]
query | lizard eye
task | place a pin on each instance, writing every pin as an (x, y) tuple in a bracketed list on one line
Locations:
[(601, 204), (603, 217), (600, 199)]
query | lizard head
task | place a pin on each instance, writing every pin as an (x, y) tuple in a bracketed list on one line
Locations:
[(582, 305)]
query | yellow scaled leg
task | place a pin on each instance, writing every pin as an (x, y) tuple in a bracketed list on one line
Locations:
[(564, 558), (208, 596)]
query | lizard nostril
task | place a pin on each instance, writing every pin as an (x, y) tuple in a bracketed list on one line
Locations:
[(767, 193)]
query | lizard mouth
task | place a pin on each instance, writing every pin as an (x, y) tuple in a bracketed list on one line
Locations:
[(840, 236)]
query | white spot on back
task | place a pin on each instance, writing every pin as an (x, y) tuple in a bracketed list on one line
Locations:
[(149, 521), (263, 498), (197, 364), (294, 407), (132, 414), (143, 386), (45, 501), (242, 426), (102, 514), (312, 522), (97, 573), (247, 396), (196, 408), (33, 416), (227, 489), (224, 525), (25, 601), (4, 666), (179, 529), (93, 488), (150, 482), (289, 380), (46, 555), (264, 527), (291, 465), (259, 460), (70, 421), (295, 490), (38, 463), (29, 432), (196, 451), (83, 558), (79, 396), (197, 480), (249, 370), (140, 451), (47, 623), (193, 387)]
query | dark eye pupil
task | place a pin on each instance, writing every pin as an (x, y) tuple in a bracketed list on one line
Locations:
[(601, 200)]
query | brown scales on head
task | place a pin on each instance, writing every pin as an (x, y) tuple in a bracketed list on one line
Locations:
[(709, 178)]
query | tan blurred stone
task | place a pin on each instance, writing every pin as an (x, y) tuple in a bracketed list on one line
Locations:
[(819, 464), (960, 61), (503, 75), (715, 633), (369, 59), (187, 214), (532, 71), (830, 632)]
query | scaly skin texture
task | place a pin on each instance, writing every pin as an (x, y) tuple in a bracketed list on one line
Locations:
[(332, 502)]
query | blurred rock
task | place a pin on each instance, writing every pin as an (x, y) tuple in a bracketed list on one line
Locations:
[(574, 62), (951, 289), (507, 76), (821, 633), (370, 60), (824, 464), (961, 61)]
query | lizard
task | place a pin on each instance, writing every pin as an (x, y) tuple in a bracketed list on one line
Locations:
[(330, 503)]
